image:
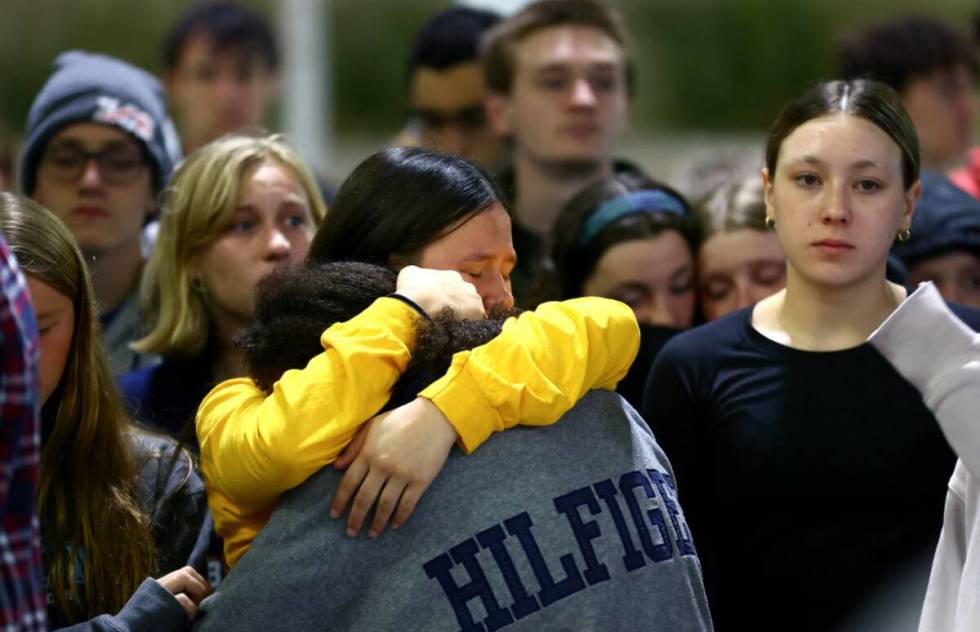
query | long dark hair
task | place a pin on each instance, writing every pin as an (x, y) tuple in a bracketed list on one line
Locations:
[(398, 201)]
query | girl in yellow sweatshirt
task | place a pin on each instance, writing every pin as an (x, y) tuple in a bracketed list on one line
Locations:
[(405, 207)]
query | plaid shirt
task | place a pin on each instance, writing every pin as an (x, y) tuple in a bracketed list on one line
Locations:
[(22, 596)]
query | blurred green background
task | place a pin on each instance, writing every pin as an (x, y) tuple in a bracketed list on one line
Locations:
[(705, 67)]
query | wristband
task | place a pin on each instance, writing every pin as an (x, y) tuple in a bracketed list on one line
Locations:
[(412, 304)]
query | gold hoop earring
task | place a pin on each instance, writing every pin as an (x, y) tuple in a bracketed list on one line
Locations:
[(770, 222), (904, 235)]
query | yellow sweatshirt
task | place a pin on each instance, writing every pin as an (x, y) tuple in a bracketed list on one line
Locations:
[(255, 446)]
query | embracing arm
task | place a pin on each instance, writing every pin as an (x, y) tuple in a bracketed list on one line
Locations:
[(539, 366), (255, 446)]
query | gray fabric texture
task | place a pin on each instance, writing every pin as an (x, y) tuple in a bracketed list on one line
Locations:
[(124, 327), (539, 524), (173, 496), (150, 609)]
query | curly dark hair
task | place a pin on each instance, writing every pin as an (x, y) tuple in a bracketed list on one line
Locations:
[(899, 49), (294, 305), (437, 340)]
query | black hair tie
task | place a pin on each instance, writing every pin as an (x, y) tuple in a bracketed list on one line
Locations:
[(418, 308)]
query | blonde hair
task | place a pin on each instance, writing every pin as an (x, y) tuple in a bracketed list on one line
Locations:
[(197, 207), (88, 481), (736, 204)]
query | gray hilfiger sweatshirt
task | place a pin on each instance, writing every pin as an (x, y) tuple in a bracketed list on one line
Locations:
[(574, 526)]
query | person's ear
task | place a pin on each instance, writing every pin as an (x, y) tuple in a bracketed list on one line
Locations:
[(911, 197), (195, 277), (767, 190), (499, 113), (171, 86), (272, 88)]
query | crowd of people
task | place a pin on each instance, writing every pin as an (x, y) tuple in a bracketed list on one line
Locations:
[(553, 390)]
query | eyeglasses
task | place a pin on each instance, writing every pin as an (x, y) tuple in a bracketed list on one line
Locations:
[(116, 163), (470, 118)]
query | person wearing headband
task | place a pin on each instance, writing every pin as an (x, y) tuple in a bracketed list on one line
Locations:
[(628, 238)]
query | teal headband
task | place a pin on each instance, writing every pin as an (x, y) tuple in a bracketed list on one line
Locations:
[(635, 203)]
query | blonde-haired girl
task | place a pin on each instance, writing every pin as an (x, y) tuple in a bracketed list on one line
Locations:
[(235, 209)]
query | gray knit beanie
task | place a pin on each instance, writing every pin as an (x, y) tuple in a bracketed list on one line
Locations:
[(89, 87)]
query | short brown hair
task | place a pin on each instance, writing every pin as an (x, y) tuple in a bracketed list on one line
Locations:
[(499, 42)]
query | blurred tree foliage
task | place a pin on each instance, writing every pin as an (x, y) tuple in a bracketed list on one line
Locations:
[(733, 64), (702, 64)]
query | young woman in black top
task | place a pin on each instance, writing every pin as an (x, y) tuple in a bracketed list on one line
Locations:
[(811, 472)]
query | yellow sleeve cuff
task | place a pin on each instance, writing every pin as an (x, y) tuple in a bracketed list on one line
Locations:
[(460, 398)]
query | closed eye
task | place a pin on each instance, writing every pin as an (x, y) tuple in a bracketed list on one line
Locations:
[(716, 289), (630, 294), (682, 287)]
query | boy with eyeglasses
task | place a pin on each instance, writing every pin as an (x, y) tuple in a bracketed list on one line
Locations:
[(99, 147), (446, 89)]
